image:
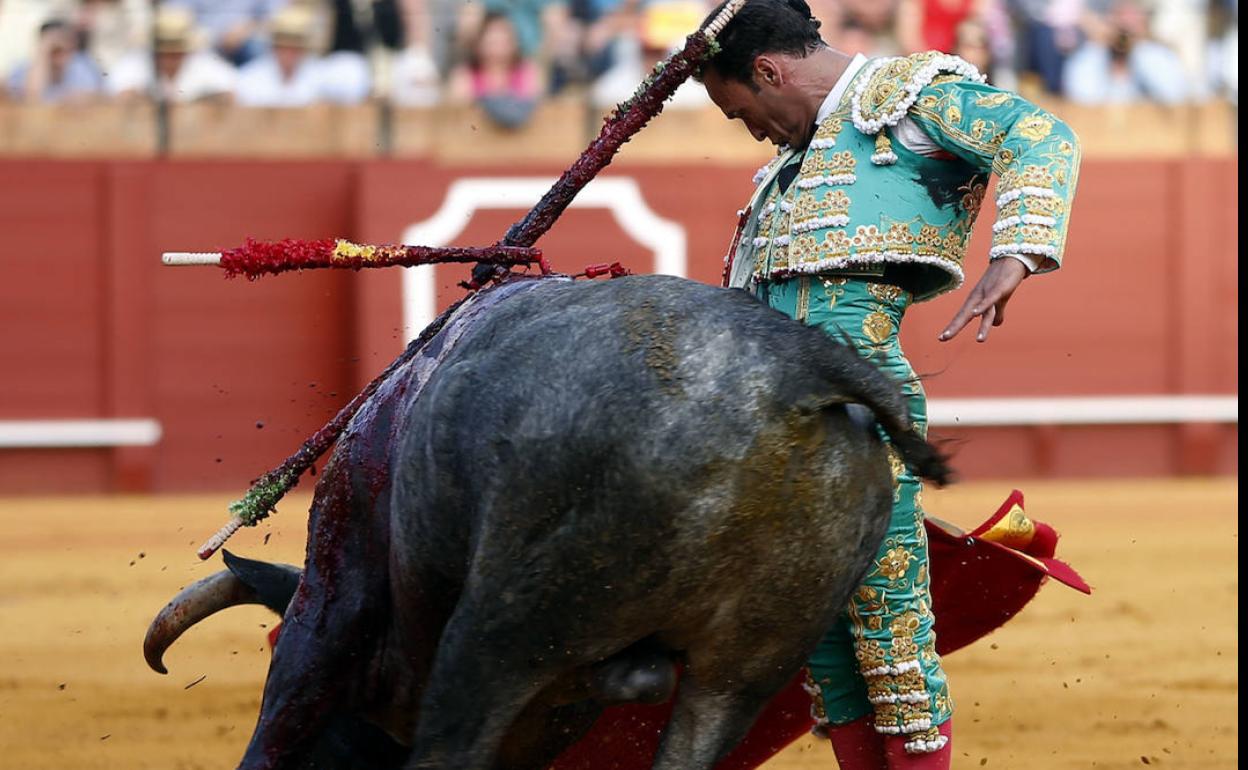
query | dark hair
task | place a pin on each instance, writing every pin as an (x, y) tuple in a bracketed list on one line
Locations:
[(763, 26), (473, 55), (52, 25)]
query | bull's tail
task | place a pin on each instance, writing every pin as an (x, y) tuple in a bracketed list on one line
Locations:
[(851, 379), (921, 456)]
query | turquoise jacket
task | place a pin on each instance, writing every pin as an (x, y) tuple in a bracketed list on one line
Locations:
[(862, 201)]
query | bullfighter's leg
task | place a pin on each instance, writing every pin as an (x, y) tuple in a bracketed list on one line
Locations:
[(316, 663), (880, 658)]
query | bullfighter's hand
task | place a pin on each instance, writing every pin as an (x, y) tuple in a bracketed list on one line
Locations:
[(988, 299)]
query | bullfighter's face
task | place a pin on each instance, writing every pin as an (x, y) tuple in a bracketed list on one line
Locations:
[(767, 105)]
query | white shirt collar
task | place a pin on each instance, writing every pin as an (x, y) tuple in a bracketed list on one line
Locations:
[(833, 99)]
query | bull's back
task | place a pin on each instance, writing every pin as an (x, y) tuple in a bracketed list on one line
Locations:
[(630, 443)]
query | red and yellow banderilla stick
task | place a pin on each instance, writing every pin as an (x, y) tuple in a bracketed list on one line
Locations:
[(256, 259)]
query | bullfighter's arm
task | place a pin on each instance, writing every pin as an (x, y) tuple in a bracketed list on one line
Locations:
[(1035, 155)]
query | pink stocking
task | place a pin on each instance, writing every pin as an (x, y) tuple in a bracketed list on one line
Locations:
[(857, 745)]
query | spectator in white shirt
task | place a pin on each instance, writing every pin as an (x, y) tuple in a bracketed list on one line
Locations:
[(293, 76), (289, 75), (182, 72)]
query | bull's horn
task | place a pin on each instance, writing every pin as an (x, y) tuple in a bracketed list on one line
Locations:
[(195, 602)]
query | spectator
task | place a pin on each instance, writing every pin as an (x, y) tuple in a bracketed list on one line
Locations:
[(415, 78), (542, 27), (497, 75), (1002, 51), (180, 72), (1183, 27), (849, 36), (932, 25), (661, 27), (1119, 63), (1224, 51), (58, 71), (345, 76), (971, 43), (1049, 32), (113, 28), (595, 26), (867, 27), (235, 27), (289, 75)]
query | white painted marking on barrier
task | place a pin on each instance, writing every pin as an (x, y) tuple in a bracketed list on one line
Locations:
[(27, 434), (620, 195), (1082, 410)]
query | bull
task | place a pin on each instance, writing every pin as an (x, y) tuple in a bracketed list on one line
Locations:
[(576, 488)]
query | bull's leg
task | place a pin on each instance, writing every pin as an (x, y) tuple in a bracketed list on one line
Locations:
[(707, 723), (482, 679), (733, 670), (543, 731)]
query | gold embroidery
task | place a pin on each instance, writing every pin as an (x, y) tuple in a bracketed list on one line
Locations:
[(1027, 176), (870, 653), (884, 292), (973, 197), (893, 565), (1049, 207), (1034, 127), (830, 128), (993, 100), (829, 163), (809, 206), (877, 327), (833, 289)]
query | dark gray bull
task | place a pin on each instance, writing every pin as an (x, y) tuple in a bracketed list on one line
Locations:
[(576, 480)]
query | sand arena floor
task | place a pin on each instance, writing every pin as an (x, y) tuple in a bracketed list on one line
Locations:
[(1144, 672)]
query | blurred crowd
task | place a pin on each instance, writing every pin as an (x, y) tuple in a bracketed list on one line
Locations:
[(508, 55)]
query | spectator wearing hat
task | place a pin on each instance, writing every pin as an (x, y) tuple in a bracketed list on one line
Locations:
[(292, 75), (58, 72), (235, 27), (181, 70)]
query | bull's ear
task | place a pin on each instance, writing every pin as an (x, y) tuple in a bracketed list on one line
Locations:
[(274, 584)]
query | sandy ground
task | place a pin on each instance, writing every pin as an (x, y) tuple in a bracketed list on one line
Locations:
[(1144, 672)]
